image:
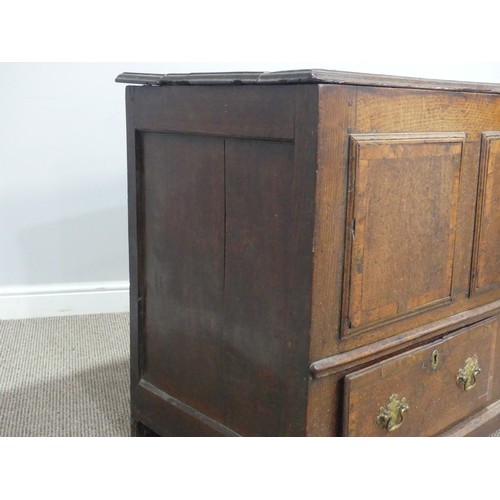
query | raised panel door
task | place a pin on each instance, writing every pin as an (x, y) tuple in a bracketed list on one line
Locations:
[(402, 217)]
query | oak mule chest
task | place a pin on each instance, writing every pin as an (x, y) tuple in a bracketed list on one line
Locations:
[(313, 253)]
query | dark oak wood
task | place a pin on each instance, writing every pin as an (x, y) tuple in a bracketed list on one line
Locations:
[(343, 361), (250, 111), (400, 252), (483, 423), (389, 111), (222, 223), (434, 398), (301, 76), (168, 416), (182, 260), (486, 258), (138, 429), (265, 298), (296, 238), (258, 227)]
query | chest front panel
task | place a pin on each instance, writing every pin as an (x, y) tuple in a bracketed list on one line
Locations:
[(407, 224)]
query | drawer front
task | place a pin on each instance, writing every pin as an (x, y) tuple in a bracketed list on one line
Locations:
[(426, 390)]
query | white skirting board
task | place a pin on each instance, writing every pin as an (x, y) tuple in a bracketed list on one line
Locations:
[(38, 301)]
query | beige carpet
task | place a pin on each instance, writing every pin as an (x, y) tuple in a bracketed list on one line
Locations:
[(65, 376)]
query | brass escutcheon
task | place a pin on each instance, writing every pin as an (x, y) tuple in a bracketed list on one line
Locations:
[(467, 376), (391, 417)]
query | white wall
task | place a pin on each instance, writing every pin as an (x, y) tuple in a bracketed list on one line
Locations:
[(63, 214)]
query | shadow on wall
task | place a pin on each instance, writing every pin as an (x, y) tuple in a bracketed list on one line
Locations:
[(87, 248), (92, 403)]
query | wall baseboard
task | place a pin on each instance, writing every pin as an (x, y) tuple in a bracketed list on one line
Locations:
[(38, 301)]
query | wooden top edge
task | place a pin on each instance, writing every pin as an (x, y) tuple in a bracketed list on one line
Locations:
[(189, 78), (304, 76), (139, 78)]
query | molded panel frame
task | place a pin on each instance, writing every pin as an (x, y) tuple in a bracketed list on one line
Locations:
[(356, 142), (486, 169)]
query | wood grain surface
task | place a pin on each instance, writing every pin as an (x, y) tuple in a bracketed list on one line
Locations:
[(183, 267), (368, 111), (303, 76), (486, 259), (434, 398), (298, 252), (221, 224), (401, 225)]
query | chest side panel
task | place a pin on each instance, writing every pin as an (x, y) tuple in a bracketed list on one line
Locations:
[(221, 205)]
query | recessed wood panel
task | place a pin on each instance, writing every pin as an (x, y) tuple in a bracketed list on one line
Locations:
[(486, 266), (401, 224), (182, 258), (264, 302)]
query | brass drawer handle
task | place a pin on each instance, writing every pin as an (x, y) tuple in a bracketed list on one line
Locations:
[(467, 376), (391, 417)]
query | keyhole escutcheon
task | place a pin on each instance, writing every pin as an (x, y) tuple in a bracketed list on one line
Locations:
[(435, 359)]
